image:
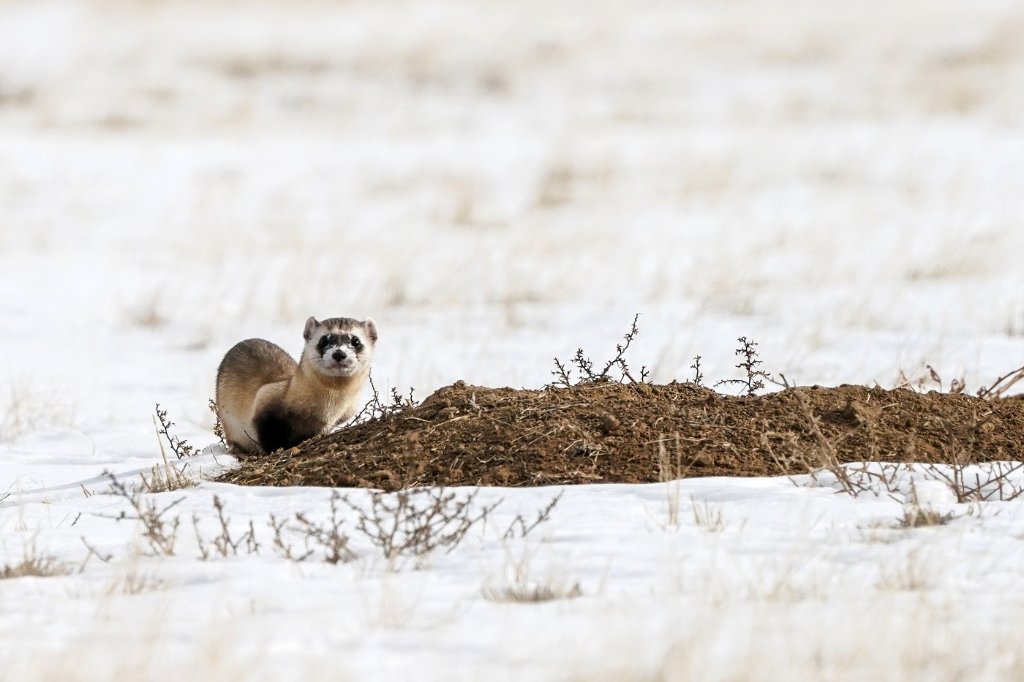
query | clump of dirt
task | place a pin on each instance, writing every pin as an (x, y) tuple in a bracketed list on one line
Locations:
[(609, 432)]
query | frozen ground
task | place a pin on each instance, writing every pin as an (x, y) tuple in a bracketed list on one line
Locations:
[(498, 183), (758, 579)]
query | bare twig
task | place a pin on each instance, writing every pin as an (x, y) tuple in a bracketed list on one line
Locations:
[(750, 364), (519, 528), (377, 409), (179, 446), (282, 547), (329, 537), (562, 375), (1001, 385), (93, 552), (698, 376), (218, 426)]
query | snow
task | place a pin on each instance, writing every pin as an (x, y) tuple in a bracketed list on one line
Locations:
[(498, 184), (787, 561)]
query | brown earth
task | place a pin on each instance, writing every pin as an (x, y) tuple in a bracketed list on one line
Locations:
[(608, 432)]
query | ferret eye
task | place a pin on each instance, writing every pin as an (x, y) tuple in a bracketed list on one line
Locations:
[(356, 343)]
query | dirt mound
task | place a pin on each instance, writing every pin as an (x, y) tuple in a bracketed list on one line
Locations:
[(611, 432)]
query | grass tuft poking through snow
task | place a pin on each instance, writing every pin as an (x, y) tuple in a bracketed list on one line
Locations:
[(33, 564)]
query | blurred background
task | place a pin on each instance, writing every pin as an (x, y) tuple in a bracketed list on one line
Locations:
[(499, 182)]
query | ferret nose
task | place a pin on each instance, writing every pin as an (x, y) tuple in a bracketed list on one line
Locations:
[(338, 355)]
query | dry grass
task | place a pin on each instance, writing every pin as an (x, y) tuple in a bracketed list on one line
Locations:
[(33, 564), (147, 312), (134, 582), (708, 517), (29, 409), (394, 607), (670, 471), (876, 637), (722, 176), (881, 533), (528, 592), (892, 133), (919, 516), (968, 478), (914, 572), (519, 582), (166, 477)]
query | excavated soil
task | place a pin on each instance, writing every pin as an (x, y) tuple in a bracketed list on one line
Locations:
[(617, 433)]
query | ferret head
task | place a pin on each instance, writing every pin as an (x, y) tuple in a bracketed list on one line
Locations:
[(339, 346)]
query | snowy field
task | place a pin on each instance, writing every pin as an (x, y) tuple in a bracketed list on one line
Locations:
[(498, 183)]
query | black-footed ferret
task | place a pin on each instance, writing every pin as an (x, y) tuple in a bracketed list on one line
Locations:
[(266, 400)]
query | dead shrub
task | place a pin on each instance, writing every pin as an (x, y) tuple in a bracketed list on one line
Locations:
[(159, 531), (165, 477), (415, 522), (224, 543), (996, 481), (378, 409), (329, 537), (585, 366), (750, 362), (179, 446)]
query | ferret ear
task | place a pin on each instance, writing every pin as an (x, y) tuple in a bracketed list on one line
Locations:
[(371, 328), (311, 325)]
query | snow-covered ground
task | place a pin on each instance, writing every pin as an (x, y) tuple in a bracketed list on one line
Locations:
[(498, 183), (757, 579)]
